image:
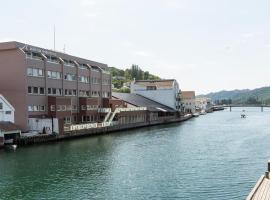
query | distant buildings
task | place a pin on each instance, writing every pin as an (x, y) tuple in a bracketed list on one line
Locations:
[(203, 103), (188, 101), (45, 91), (165, 92)]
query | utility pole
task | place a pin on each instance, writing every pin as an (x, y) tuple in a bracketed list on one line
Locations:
[(54, 37)]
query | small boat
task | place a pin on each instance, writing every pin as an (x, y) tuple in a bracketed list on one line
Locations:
[(243, 115), (203, 112), (12, 147), (196, 115)]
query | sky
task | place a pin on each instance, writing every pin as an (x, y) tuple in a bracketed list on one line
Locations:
[(206, 45)]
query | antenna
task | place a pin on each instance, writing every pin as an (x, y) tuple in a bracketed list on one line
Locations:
[(64, 49), (54, 37)]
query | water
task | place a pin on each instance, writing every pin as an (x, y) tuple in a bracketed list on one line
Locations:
[(216, 156)]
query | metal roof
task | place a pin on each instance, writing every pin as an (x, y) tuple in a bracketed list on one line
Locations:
[(141, 101), (8, 127)]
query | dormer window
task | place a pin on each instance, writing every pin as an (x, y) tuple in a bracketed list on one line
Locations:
[(151, 87)]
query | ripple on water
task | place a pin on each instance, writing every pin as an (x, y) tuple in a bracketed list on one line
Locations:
[(216, 157)]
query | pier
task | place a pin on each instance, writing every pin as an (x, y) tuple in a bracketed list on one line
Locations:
[(262, 188), (246, 106)]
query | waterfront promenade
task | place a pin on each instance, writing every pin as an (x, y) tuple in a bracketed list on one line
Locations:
[(96, 129)]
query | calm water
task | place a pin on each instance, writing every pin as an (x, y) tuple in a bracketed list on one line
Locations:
[(216, 156)]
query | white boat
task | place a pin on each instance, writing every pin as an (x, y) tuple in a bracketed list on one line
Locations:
[(195, 114), (243, 115), (203, 112)]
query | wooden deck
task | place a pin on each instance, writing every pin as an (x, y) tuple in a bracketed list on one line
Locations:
[(261, 191)]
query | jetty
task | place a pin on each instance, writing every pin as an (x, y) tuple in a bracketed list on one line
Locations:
[(261, 190)]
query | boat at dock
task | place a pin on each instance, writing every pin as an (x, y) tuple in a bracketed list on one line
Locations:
[(11, 147), (195, 114), (203, 112)]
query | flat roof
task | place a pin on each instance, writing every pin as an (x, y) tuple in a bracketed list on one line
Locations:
[(141, 101)]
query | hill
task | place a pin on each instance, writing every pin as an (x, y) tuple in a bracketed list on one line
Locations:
[(246, 96), (121, 78)]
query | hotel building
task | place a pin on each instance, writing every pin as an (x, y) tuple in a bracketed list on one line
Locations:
[(44, 84)]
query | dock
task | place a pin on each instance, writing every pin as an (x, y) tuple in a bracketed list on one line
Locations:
[(261, 190)]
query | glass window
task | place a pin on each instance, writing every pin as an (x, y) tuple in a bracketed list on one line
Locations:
[(58, 91), (35, 72), (41, 90), (30, 90), (1, 106), (49, 73), (40, 72), (59, 75), (29, 71), (35, 90), (42, 108), (54, 91), (30, 108), (52, 107), (49, 90), (8, 112), (74, 92), (54, 75), (35, 108)]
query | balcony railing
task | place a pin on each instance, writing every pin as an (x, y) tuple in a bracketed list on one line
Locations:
[(104, 110)]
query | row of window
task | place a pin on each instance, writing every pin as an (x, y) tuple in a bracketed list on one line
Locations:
[(60, 108), (89, 107), (54, 59), (84, 79), (84, 93), (36, 90), (89, 118), (106, 82), (68, 92), (69, 77), (54, 75), (35, 72), (36, 108)]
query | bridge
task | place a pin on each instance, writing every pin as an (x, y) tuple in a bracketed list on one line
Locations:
[(246, 106)]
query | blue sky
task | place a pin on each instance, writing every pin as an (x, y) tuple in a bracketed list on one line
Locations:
[(207, 45)]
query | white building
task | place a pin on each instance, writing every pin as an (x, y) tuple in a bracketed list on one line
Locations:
[(6, 110), (188, 101), (165, 92), (203, 103)]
